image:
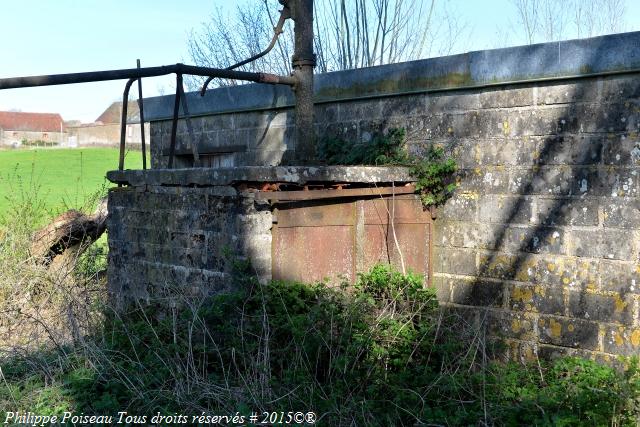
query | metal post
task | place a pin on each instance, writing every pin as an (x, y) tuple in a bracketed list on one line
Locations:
[(303, 62), (140, 107), (174, 123), (187, 118)]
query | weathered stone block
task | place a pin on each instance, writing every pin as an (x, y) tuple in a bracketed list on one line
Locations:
[(509, 324), (568, 332), (601, 308), (607, 243), (461, 207), (508, 151), (219, 122), (547, 270), (622, 149), (489, 180), (534, 239), (401, 107), (580, 91), (505, 209), (615, 88), (455, 261), (622, 340), (567, 211), (571, 150), (622, 213), (358, 110), (475, 292), (506, 97), (620, 277), (467, 234), (536, 298), (443, 288), (456, 101), (498, 265), (617, 182)]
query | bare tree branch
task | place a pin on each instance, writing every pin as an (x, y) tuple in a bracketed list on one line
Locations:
[(349, 34)]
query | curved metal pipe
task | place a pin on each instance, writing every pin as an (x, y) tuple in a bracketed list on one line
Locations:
[(123, 121), (285, 14)]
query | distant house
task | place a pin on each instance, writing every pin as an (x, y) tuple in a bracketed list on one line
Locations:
[(105, 130), (18, 127)]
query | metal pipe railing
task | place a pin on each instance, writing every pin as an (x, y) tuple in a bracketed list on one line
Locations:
[(136, 73), (133, 74)]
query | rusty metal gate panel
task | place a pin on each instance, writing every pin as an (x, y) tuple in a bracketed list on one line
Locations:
[(315, 240)]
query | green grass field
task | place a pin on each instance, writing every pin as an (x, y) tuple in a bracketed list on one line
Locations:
[(57, 179)]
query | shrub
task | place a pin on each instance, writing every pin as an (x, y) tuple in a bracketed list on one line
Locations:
[(432, 170)]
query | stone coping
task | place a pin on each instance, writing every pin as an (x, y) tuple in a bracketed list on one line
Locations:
[(570, 58), (282, 174)]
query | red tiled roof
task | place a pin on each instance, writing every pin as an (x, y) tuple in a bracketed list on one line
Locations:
[(36, 122)]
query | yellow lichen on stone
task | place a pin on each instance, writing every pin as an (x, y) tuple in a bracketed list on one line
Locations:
[(551, 266), (555, 328), (522, 294), (505, 127), (619, 303), (516, 325), (635, 337), (565, 280)]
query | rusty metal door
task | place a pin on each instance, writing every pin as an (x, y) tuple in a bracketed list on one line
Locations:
[(333, 239)]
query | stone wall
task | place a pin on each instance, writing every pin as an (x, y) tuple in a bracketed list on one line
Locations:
[(161, 237), (108, 135), (542, 237), (15, 138)]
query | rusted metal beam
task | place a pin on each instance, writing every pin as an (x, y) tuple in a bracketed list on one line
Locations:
[(283, 196), (136, 73)]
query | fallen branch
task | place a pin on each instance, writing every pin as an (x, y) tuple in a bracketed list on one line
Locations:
[(71, 230)]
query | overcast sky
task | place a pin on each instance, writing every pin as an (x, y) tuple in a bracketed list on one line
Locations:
[(62, 36)]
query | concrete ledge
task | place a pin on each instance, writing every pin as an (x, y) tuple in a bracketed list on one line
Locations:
[(571, 58), (290, 174)]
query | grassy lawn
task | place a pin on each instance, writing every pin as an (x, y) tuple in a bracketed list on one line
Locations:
[(57, 179)]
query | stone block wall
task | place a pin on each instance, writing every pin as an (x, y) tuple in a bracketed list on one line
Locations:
[(167, 241), (542, 237)]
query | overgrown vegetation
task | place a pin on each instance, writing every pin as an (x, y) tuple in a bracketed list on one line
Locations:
[(380, 353), (383, 353), (433, 171)]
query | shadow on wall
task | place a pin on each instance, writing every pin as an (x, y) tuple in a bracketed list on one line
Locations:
[(553, 257), (543, 231)]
